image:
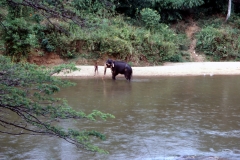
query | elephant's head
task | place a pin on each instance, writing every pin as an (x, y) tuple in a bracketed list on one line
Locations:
[(109, 64)]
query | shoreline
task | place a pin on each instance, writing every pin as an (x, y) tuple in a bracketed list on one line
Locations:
[(167, 69)]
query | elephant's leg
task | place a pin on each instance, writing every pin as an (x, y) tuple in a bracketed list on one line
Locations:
[(114, 75), (127, 76), (126, 73)]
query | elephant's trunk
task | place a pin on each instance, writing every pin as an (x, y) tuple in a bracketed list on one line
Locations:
[(105, 69)]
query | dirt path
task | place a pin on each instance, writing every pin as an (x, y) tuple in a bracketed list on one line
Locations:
[(190, 31)]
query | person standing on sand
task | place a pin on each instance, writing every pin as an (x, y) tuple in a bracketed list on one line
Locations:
[(95, 68)]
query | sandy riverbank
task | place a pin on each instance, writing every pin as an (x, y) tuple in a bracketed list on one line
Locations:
[(169, 69)]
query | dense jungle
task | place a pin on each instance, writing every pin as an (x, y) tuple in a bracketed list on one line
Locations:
[(141, 32)]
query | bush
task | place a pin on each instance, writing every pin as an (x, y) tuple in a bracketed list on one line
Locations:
[(19, 37), (150, 17), (219, 44), (205, 39), (115, 37), (123, 41)]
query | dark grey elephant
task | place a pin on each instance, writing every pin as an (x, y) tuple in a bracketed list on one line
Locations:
[(118, 67)]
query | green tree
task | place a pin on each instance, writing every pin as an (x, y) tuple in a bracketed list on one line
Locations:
[(168, 9), (150, 17), (26, 92), (19, 38)]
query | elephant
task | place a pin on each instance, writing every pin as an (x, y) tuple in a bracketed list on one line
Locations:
[(118, 67)]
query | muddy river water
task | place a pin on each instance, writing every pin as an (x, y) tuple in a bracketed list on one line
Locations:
[(158, 118)]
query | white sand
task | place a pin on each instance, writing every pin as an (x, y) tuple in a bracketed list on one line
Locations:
[(168, 69)]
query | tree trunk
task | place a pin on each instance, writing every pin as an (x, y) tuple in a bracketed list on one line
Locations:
[(229, 9)]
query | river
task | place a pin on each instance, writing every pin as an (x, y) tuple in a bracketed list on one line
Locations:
[(156, 118)]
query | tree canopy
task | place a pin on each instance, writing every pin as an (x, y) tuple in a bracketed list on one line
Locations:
[(28, 105)]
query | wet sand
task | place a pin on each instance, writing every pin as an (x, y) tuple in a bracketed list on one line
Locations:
[(168, 69)]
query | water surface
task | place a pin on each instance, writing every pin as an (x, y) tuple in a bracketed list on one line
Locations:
[(156, 118)]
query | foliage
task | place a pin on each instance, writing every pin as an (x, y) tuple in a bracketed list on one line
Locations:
[(172, 10), (124, 41), (46, 45), (206, 38), (26, 93), (19, 38), (214, 6), (168, 9), (49, 24), (219, 43), (212, 21), (150, 17), (101, 8), (19, 30), (87, 28), (180, 4)]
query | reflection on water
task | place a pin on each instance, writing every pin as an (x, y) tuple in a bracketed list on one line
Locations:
[(156, 118)]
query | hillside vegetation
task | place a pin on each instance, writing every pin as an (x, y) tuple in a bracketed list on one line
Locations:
[(141, 32)]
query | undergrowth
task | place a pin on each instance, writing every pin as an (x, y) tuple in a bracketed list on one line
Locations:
[(220, 41), (104, 32), (117, 38)]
